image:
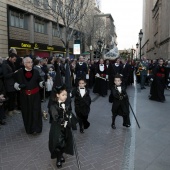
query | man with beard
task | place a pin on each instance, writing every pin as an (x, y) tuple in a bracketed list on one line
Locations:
[(28, 81)]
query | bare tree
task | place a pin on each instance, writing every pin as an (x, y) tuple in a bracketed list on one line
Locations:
[(64, 12), (94, 28)]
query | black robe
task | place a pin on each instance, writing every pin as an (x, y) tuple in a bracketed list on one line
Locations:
[(60, 138), (82, 104), (100, 85), (120, 104), (30, 104), (158, 84), (82, 107)]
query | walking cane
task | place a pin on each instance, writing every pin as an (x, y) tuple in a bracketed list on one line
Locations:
[(44, 93), (134, 114), (75, 148)]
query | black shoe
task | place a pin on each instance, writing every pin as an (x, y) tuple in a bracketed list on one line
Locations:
[(126, 125), (59, 164), (2, 122), (81, 130), (113, 126), (62, 159)]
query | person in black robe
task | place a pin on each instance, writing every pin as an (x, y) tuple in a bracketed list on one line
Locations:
[(82, 103), (159, 82), (81, 70), (60, 135), (29, 82), (91, 74), (115, 68), (120, 101), (100, 85), (126, 71)]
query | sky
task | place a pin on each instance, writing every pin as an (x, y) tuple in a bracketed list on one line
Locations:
[(127, 15)]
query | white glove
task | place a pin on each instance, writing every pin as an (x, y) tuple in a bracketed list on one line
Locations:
[(87, 76), (107, 76), (97, 75), (151, 79), (16, 86), (70, 94), (65, 124), (147, 74)]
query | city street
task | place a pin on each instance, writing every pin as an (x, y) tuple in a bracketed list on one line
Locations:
[(100, 147)]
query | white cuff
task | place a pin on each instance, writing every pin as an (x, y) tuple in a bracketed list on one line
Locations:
[(41, 84), (97, 75), (87, 76), (107, 76)]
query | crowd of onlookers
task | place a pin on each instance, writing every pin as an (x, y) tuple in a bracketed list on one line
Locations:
[(47, 67)]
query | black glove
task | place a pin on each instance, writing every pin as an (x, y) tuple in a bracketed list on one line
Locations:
[(22, 86)]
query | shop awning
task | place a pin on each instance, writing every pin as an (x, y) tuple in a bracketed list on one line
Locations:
[(86, 53)]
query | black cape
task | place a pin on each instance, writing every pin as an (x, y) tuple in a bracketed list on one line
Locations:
[(60, 138), (120, 102)]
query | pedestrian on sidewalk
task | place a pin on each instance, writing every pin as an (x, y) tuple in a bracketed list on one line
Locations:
[(82, 104), (120, 101), (60, 136)]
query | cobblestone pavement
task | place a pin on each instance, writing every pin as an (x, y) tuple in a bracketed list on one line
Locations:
[(99, 148)]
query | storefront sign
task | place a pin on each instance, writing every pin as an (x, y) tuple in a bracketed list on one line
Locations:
[(76, 48), (24, 45), (50, 48)]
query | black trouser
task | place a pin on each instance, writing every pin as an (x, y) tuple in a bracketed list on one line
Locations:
[(83, 122), (11, 100), (126, 119), (2, 113)]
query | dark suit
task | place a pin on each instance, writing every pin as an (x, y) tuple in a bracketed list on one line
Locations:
[(8, 70)]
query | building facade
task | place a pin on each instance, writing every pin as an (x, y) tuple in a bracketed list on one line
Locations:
[(29, 31), (156, 29)]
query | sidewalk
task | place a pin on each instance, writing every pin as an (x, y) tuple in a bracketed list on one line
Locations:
[(100, 147)]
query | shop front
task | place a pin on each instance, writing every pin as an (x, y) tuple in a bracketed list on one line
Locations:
[(37, 49)]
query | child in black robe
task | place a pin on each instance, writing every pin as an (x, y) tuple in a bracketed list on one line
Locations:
[(82, 103), (120, 102), (60, 136)]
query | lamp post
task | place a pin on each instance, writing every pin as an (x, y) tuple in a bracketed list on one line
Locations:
[(137, 45), (140, 38), (91, 48), (100, 43)]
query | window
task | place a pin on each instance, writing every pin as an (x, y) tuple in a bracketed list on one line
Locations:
[(17, 19), (36, 2), (45, 3), (57, 32), (54, 5), (40, 26)]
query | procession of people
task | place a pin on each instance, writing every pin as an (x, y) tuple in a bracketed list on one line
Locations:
[(26, 82)]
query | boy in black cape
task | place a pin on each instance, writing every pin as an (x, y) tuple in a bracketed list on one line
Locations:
[(120, 102), (60, 136), (82, 103)]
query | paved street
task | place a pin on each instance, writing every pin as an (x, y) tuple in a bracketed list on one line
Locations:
[(100, 147)]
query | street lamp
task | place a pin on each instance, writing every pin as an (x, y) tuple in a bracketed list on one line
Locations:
[(100, 43), (137, 45), (140, 38), (91, 48)]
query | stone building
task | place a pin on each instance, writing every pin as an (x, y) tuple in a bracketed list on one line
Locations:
[(156, 29), (31, 32)]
